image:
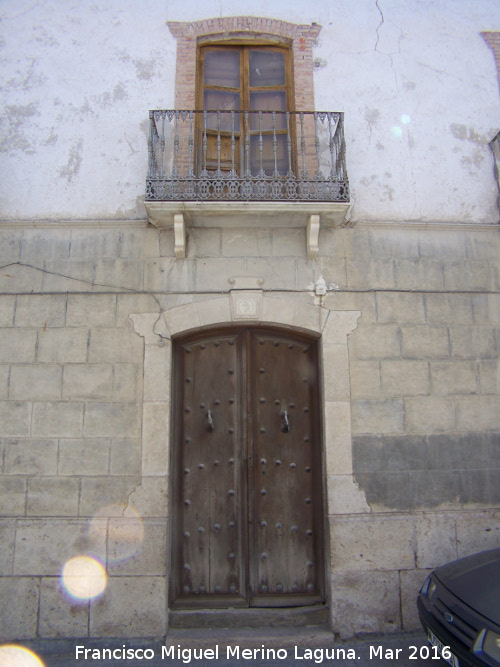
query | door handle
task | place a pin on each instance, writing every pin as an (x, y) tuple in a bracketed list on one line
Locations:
[(286, 424), (211, 425)]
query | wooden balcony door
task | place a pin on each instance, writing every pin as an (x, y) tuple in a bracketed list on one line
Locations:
[(247, 500), (238, 78)]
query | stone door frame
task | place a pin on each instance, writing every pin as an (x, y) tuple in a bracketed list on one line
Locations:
[(254, 307)]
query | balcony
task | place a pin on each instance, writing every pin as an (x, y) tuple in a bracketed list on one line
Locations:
[(222, 168)]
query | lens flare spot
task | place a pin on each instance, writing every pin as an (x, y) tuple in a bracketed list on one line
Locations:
[(84, 577), (397, 131), (18, 656), (405, 119)]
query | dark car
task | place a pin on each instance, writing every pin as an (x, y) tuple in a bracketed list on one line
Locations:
[(459, 608)]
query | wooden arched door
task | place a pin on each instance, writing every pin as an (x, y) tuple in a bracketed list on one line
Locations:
[(246, 471)]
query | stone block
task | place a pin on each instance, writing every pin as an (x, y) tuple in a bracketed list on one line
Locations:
[(400, 308), (378, 416), (17, 346), (7, 540), (361, 302), (345, 496), (445, 309), (489, 376), (481, 245), (338, 453), (35, 382), (52, 496), (112, 615), (277, 272), (492, 443), (98, 493), (115, 346), (356, 606), (421, 274), (201, 242), (150, 497), (19, 618), (12, 496), (372, 543), (387, 244), (155, 427), (289, 242), (473, 343), (429, 414), (477, 531), (367, 453), (44, 311), (68, 275), (63, 345), (119, 420), (134, 303), (385, 491), (213, 311), (406, 452), (402, 377), (434, 489), (365, 379), (411, 582), (95, 243), (157, 370), (170, 274), (43, 546), (19, 279), (60, 419), (61, 616), (454, 377), (436, 539), (443, 244), (458, 451), (480, 487), (45, 244), (469, 275), (15, 418), (120, 274), (127, 382), (375, 342), (30, 456), (93, 310), (493, 307), (84, 456), (478, 413), (335, 372), (137, 547), (423, 342), (125, 456), (181, 318), (138, 243), (10, 244), (4, 381), (247, 243), (7, 308), (87, 382), (370, 274)]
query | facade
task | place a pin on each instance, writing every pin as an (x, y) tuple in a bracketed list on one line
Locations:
[(297, 309)]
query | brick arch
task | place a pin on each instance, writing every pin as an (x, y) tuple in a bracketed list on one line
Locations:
[(300, 37)]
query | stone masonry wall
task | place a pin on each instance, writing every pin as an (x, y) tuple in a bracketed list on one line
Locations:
[(424, 383)]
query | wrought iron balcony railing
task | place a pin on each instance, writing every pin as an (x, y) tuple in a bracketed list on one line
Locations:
[(246, 156)]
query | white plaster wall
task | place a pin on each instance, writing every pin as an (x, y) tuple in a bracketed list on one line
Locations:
[(417, 83)]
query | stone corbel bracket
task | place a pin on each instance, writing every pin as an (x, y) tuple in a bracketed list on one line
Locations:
[(247, 214)]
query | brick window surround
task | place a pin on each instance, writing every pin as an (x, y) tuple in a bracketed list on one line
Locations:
[(245, 29)]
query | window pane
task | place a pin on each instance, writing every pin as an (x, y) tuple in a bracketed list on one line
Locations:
[(267, 154), (222, 68), (268, 101), (219, 100), (267, 68)]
